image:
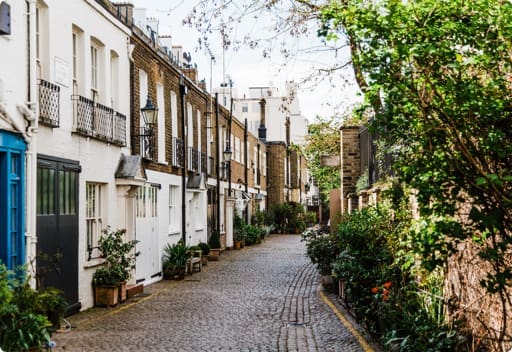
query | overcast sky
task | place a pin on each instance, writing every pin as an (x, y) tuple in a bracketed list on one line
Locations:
[(248, 68)]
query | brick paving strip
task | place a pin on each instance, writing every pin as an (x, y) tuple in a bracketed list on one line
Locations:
[(262, 298)]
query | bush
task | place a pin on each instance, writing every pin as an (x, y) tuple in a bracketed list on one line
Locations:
[(214, 240), (22, 324), (288, 217), (322, 249), (205, 248)]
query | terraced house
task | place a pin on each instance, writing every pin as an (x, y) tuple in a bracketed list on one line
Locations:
[(104, 123)]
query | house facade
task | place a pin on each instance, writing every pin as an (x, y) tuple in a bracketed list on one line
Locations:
[(80, 155)]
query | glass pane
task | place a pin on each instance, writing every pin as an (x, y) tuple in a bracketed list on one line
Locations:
[(38, 192), (72, 194), (51, 192), (14, 164)]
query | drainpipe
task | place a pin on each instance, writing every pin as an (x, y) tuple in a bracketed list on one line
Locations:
[(31, 115), (183, 92), (246, 176), (217, 158)]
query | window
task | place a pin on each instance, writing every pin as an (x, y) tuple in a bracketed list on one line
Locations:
[(41, 40), (93, 214), (114, 80), (190, 126), (174, 114), (143, 93), (94, 68), (174, 217), (77, 65), (161, 123), (255, 107), (198, 128), (245, 107), (146, 202)]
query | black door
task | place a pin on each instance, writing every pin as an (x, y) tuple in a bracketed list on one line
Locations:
[(57, 227)]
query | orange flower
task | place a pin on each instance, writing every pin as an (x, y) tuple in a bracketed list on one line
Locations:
[(387, 284), (375, 289)]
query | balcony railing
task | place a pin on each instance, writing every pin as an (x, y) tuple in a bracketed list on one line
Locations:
[(147, 143), (193, 159), (99, 121), (178, 152), (49, 103), (204, 163)]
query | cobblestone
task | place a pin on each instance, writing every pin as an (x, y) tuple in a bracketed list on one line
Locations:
[(261, 298)]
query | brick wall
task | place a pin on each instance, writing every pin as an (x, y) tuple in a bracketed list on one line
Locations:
[(350, 164), (276, 158)]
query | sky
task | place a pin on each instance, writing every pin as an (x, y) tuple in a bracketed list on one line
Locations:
[(247, 67)]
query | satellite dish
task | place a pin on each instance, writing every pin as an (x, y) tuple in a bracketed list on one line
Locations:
[(187, 56)]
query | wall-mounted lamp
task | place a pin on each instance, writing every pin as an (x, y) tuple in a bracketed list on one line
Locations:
[(149, 115), (227, 153)]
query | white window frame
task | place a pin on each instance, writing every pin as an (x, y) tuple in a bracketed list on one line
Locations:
[(146, 202), (162, 155), (94, 68), (174, 218), (94, 212)]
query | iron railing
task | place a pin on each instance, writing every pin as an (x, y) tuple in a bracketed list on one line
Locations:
[(204, 163), (178, 151), (147, 143), (49, 103), (99, 121), (193, 160)]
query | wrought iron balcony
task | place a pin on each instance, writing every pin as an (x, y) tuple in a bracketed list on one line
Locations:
[(49, 103), (178, 151), (99, 121), (204, 163), (193, 160), (147, 143)]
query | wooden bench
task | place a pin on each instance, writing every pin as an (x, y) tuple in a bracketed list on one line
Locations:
[(194, 261)]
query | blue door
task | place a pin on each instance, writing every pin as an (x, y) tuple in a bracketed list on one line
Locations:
[(12, 193)]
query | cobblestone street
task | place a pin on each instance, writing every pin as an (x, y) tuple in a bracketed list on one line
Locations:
[(261, 298)]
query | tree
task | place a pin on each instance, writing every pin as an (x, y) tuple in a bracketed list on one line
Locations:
[(323, 139), (436, 75)]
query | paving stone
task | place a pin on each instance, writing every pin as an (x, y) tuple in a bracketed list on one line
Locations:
[(260, 298)]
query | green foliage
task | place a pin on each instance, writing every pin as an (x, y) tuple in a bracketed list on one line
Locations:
[(22, 324), (175, 256), (239, 227), (214, 240), (119, 258), (322, 249), (323, 139), (287, 217), (205, 248)]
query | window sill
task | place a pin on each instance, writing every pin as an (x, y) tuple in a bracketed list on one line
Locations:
[(94, 262)]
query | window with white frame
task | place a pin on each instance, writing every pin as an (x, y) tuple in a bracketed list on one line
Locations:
[(78, 57), (174, 114), (198, 128), (94, 68), (146, 202), (42, 40), (93, 213), (174, 215), (245, 107), (114, 80), (161, 123), (190, 126), (264, 164), (237, 150)]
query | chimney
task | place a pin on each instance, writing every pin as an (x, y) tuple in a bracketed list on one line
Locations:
[(191, 73), (153, 23), (166, 42), (262, 130), (125, 12), (139, 18)]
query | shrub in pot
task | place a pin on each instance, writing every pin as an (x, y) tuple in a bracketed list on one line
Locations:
[(214, 242), (174, 260), (119, 255), (205, 249)]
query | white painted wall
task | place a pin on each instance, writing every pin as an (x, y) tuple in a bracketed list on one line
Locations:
[(98, 159)]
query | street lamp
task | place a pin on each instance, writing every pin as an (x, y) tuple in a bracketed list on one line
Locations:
[(227, 153), (149, 115)]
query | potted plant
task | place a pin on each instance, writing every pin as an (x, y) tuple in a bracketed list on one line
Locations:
[(174, 261), (53, 304), (205, 248), (214, 242), (240, 229), (109, 281)]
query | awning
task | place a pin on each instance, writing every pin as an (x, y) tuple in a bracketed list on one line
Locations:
[(196, 183), (130, 171)]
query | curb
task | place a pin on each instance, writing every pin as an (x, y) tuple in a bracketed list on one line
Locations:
[(348, 323)]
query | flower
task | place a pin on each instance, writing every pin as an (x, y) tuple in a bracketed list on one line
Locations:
[(387, 284), (375, 289)]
